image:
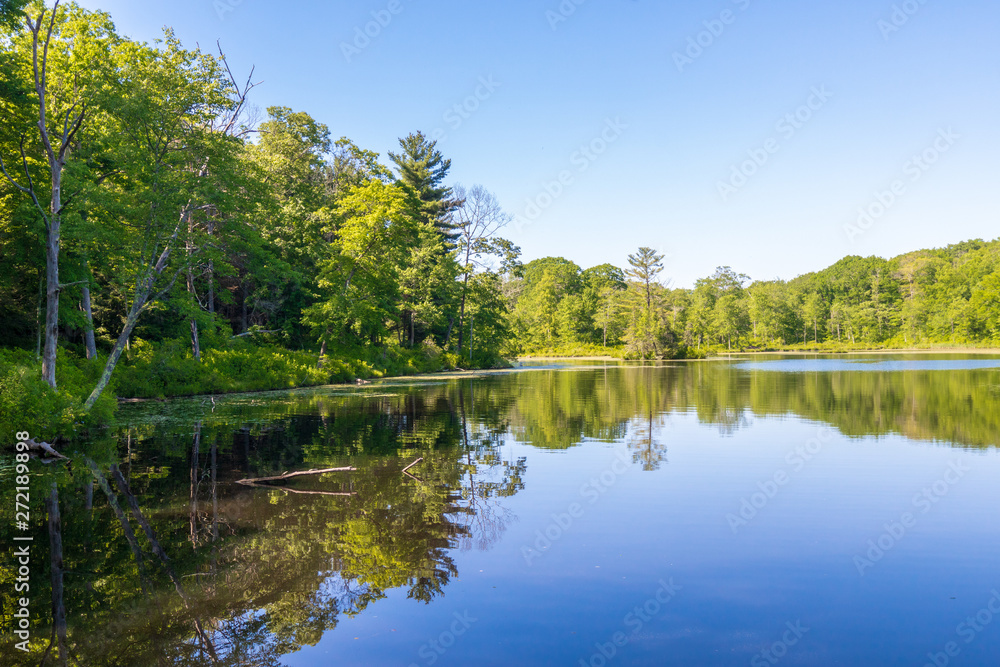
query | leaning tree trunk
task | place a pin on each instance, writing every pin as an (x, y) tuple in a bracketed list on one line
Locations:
[(144, 289), (116, 353)]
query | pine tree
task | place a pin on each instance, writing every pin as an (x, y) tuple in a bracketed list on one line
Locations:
[(423, 169), (646, 265)]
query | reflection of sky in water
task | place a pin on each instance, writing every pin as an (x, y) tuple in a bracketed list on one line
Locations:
[(753, 492), (823, 365)]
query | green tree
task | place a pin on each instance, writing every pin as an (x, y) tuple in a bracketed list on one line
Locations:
[(422, 169), (646, 266)]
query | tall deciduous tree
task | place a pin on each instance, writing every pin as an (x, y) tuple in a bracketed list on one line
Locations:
[(477, 221), (167, 101), (62, 87)]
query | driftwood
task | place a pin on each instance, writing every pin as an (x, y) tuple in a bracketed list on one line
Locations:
[(36, 446), (289, 475), (413, 477), (286, 490)]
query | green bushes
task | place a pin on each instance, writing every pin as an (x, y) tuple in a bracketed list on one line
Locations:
[(168, 368), (28, 404), (575, 350)]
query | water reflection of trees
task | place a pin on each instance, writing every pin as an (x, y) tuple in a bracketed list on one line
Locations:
[(559, 409), (183, 567), (166, 562)]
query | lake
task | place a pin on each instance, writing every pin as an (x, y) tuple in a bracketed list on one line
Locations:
[(745, 511)]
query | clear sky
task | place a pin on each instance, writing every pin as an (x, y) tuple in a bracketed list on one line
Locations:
[(668, 98)]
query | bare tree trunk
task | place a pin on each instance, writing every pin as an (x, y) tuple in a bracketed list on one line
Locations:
[(38, 317), (447, 336), (56, 158), (211, 273), (116, 353), (322, 349), (88, 334), (144, 289), (243, 310), (461, 310), (195, 343), (52, 287)]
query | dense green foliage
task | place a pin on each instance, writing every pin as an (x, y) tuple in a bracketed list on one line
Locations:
[(180, 223), (944, 296)]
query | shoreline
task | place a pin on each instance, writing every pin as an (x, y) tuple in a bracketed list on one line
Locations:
[(444, 375), (457, 374), (725, 355)]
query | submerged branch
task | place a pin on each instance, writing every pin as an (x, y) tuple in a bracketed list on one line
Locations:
[(289, 475)]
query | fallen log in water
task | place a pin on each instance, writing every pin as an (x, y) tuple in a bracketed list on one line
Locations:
[(34, 445), (289, 475)]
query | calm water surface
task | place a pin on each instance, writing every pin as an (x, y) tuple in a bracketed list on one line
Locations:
[(738, 512)]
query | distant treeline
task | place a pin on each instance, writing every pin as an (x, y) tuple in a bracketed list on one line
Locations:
[(949, 295)]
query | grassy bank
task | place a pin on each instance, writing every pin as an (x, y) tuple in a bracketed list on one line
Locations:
[(599, 352), (584, 350), (168, 369)]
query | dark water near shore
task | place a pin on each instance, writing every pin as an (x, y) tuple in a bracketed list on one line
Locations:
[(792, 511)]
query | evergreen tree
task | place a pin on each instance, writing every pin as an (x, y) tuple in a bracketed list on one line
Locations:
[(646, 265), (422, 169)]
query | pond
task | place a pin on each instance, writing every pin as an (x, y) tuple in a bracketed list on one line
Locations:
[(773, 510)]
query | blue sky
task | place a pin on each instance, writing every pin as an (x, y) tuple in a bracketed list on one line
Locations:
[(665, 120)]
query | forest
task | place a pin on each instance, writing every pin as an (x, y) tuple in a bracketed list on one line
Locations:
[(947, 296), (161, 236)]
